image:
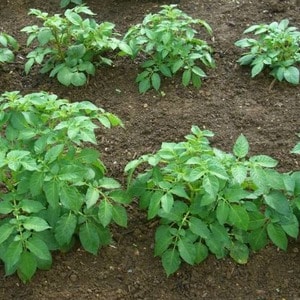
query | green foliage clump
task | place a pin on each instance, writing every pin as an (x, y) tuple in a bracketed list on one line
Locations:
[(53, 187), (65, 3), (277, 47), (8, 45), (70, 47), (168, 43), (209, 201)]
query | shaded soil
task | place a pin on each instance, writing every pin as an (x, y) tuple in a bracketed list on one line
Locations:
[(229, 103)]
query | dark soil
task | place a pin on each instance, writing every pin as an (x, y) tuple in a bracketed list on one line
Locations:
[(229, 103)]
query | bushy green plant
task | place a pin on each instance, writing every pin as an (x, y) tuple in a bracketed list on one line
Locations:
[(8, 45), (65, 3), (277, 47), (53, 187), (168, 43), (70, 47), (211, 201)]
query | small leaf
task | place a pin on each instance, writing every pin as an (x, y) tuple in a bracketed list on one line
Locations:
[(155, 80), (105, 212), (257, 68), (144, 85), (187, 251), (119, 215), (171, 261), (241, 147), (222, 211), (258, 238), (39, 248), (65, 228), (89, 237), (186, 77), (239, 252), (291, 75), (201, 252), (277, 236), (27, 266), (199, 227), (91, 197), (167, 202), (163, 240), (35, 224), (5, 231)]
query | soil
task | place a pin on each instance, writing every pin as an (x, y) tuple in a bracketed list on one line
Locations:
[(229, 103)]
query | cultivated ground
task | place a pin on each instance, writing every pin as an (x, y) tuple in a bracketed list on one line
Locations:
[(229, 103)]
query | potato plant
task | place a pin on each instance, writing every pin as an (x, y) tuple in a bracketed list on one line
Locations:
[(53, 187), (168, 43), (209, 201), (8, 45), (70, 47)]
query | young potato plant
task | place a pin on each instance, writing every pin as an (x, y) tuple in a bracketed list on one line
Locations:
[(296, 149), (8, 45), (70, 47), (209, 201), (65, 3), (53, 187), (277, 47), (168, 43)]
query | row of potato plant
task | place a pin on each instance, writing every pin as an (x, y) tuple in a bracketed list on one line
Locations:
[(70, 47), (55, 189)]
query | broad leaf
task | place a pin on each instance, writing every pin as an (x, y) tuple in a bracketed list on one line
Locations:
[(89, 237), (65, 228), (171, 261)]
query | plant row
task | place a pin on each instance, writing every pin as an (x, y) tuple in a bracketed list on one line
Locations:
[(71, 47), (54, 190)]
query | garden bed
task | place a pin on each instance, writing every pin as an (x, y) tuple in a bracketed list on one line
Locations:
[(228, 103)]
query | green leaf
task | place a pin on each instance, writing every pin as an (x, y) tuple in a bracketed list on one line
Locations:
[(241, 147), (279, 202), (65, 75), (222, 211), (31, 206), (53, 153), (92, 196), (199, 227), (201, 252), (257, 68), (51, 189), (154, 204), (277, 235), (177, 65), (35, 224), (36, 183), (27, 266), (5, 231), (12, 256), (109, 183), (264, 161), (125, 48), (211, 185), (238, 216), (239, 252), (258, 238), (65, 228), (163, 240), (198, 71), (78, 79), (291, 75), (6, 207), (171, 261), (155, 80), (167, 202), (186, 77), (144, 85), (120, 196), (89, 237), (187, 250), (292, 229), (119, 215), (70, 198), (39, 248), (105, 212), (165, 70)]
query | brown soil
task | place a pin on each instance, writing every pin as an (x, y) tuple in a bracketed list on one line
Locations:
[(229, 103)]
